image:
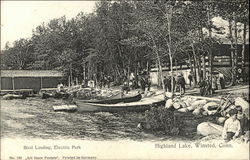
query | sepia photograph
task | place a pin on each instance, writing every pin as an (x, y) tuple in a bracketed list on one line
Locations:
[(124, 79)]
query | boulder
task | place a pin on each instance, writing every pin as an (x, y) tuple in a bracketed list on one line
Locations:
[(169, 94), (197, 111), (208, 128), (191, 108), (221, 120), (183, 110), (169, 104), (212, 112), (176, 105), (210, 106), (189, 101), (199, 102), (184, 105), (205, 113)]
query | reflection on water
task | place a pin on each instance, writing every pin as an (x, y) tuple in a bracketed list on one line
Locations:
[(35, 118)]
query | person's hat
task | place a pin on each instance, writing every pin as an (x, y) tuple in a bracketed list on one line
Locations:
[(232, 112), (238, 108)]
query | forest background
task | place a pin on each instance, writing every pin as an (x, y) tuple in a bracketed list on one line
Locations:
[(123, 37)]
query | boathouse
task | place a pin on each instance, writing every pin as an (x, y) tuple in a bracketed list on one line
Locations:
[(35, 80)]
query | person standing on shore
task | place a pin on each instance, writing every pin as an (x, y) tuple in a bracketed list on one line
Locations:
[(165, 84), (182, 84), (148, 82), (222, 81), (143, 83), (190, 77)]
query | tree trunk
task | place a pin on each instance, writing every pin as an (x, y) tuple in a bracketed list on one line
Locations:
[(235, 40), (204, 66), (71, 74), (128, 76), (210, 48), (169, 19), (172, 75), (232, 53), (243, 46), (203, 56), (198, 61), (194, 68), (159, 62)]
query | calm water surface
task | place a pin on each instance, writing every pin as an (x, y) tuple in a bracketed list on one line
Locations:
[(35, 118)]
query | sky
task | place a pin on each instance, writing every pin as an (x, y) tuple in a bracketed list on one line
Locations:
[(18, 18)]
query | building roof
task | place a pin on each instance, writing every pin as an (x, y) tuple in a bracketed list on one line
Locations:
[(31, 73)]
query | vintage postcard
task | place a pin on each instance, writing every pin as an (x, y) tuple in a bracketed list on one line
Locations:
[(158, 79)]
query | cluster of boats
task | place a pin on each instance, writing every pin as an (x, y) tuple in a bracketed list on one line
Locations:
[(131, 102)]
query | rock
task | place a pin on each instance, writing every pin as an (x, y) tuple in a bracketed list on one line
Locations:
[(210, 106), (205, 113), (208, 128), (212, 112), (187, 103), (169, 104), (169, 94), (176, 105), (221, 120), (183, 110), (197, 111), (199, 102), (184, 105), (191, 108)]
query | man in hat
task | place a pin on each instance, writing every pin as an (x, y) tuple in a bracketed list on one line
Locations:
[(232, 126)]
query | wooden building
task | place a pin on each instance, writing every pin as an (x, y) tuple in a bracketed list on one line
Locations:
[(29, 79), (222, 62)]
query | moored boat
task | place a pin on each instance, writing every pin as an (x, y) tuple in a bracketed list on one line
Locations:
[(57, 95), (114, 100), (142, 105)]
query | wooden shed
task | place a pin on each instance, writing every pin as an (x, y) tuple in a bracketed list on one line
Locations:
[(29, 79)]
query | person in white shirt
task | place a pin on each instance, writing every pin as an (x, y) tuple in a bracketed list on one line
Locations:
[(232, 127)]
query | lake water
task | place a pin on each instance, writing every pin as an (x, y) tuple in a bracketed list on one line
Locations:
[(35, 118)]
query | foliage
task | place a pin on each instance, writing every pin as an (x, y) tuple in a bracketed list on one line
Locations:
[(161, 119), (122, 37)]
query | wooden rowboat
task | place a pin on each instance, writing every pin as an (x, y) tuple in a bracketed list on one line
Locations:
[(114, 100), (57, 95), (142, 105)]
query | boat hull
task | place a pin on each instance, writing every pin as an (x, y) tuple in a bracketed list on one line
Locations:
[(139, 106), (115, 100)]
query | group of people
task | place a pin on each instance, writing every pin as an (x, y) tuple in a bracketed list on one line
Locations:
[(236, 125), (105, 81), (178, 83), (207, 87), (144, 83)]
